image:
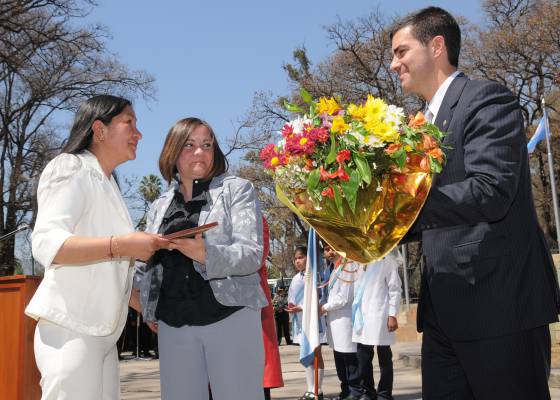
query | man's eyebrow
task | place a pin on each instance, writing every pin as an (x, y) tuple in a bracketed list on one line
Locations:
[(399, 47)]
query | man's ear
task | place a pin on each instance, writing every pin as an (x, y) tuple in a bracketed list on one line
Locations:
[(437, 46)]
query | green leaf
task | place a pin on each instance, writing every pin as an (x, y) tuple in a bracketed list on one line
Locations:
[(313, 179), (305, 96), (352, 139), (292, 107), (338, 200), (363, 168), (435, 166), (400, 157), (350, 188), (332, 153), (313, 112)]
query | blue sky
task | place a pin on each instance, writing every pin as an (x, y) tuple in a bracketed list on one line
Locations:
[(209, 57)]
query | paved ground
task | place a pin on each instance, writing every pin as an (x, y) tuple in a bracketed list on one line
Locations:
[(140, 379)]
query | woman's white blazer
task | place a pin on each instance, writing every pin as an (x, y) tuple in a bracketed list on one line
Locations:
[(76, 198)]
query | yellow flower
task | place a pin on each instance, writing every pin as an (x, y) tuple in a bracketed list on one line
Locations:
[(356, 112), (375, 109), (385, 132), (329, 106), (338, 125), (302, 141), (274, 161)]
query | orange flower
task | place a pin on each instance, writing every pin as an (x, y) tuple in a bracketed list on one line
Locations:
[(436, 153), (393, 147), (428, 142), (417, 121)]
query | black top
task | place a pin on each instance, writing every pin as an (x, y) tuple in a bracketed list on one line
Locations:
[(186, 298)]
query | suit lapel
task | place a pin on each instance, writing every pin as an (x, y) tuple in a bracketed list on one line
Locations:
[(445, 113)]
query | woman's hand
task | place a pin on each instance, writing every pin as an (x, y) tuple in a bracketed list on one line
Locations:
[(139, 245), (194, 249)]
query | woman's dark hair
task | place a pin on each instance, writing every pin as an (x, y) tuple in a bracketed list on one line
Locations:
[(301, 249), (430, 22), (175, 141), (103, 108)]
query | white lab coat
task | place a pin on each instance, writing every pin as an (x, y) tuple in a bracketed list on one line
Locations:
[(339, 308), (381, 299), (296, 285), (75, 197)]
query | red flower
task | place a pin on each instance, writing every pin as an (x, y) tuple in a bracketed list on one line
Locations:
[(324, 174), (319, 134), (342, 175), (328, 192), (342, 156), (287, 130)]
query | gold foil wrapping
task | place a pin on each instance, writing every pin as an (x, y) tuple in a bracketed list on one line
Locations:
[(381, 219)]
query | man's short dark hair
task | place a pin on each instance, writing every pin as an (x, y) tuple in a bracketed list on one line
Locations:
[(430, 22)]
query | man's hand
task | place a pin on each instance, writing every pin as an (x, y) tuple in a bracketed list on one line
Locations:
[(392, 324)]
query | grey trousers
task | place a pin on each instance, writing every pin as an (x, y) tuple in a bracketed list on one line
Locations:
[(228, 354)]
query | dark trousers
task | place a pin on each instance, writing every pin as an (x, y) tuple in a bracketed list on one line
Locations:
[(365, 364), (514, 366), (283, 326), (348, 373)]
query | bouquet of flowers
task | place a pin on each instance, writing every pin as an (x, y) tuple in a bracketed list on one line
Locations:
[(358, 173)]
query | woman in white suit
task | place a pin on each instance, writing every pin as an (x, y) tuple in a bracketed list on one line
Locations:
[(84, 238), (377, 299)]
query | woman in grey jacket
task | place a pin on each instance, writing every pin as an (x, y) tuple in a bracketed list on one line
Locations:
[(203, 295)]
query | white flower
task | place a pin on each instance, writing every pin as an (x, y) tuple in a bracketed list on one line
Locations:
[(394, 115), (298, 124)]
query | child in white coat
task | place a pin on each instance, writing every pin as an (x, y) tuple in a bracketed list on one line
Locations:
[(338, 310), (377, 300)]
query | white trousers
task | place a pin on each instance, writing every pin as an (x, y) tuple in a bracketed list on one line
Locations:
[(228, 354), (76, 366)]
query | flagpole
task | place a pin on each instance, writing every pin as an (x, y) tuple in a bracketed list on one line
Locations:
[(316, 372), (552, 177)]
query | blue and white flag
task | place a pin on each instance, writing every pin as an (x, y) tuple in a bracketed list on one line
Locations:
[(541, 132), (310, 315)]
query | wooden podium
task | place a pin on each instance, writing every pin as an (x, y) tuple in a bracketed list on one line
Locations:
[(19, 377)]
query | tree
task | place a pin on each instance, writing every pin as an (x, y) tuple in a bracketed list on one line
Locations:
[(520, 48), (48, 65), (149, 190)]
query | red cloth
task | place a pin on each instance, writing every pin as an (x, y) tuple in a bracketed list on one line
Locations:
[(272, 366)]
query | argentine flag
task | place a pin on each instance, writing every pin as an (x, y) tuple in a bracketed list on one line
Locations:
[(541, 132), (310, 315)]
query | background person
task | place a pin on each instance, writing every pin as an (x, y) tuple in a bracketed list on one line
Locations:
[(377, 299), (205, 294), (295, 308), (84, 238), (338, 311), (281, 316)]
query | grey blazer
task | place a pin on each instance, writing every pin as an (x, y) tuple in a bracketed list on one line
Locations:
[(233, 248)]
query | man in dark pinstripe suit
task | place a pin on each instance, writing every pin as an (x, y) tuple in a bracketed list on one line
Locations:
[(489, 289)]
